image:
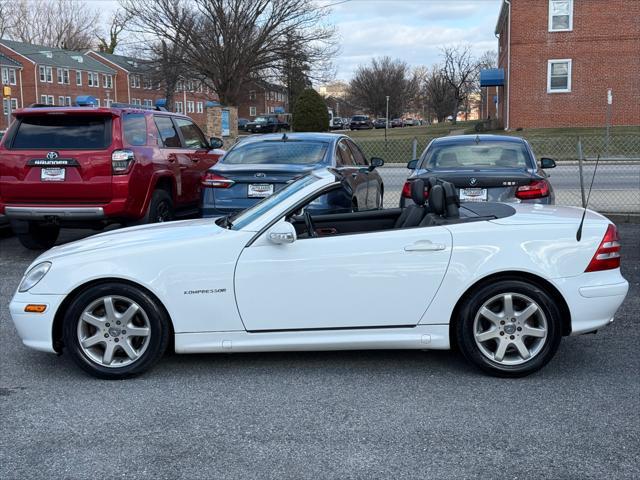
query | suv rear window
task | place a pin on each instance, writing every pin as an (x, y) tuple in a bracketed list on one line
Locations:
[(63, 132)]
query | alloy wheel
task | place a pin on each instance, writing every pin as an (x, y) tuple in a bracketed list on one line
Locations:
[(114, 331), (510, 329)]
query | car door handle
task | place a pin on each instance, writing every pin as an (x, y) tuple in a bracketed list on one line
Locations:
[(424, 246)]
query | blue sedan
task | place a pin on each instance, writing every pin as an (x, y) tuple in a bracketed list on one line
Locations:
[(258, 166)]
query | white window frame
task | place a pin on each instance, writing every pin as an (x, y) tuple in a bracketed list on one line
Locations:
[(67, 101), (79, 78), (63, 76), (191, 106), (43, 99), (50, 100), (107, 80), (179, 107), (14, 104), (252, 111), (61, 100), (199, 107), (147, 103), (550, 15), (9, 76), (569, 74)]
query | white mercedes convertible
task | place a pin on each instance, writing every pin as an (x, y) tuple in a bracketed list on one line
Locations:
[(503, 283)]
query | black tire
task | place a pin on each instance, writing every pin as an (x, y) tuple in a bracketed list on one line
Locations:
[(547, 348), (39, 236), (158, 326), (160, 209)]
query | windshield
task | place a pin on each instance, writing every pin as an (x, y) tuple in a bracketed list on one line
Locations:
[(245, 217), (290, 152), (477, 155), (261, 120), (359, 118)]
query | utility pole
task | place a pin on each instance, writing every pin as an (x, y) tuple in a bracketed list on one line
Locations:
[(6, 97), (386, 123)]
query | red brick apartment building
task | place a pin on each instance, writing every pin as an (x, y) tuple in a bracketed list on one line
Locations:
[(259, 98), (560, 58)]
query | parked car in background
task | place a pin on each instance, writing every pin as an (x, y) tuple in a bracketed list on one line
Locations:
[(86, 167), (397, 123), (380, 123), (494, 168), (257, 167), (409, 122), (242, 124), (267, 124), (336, 123), (360, 122)]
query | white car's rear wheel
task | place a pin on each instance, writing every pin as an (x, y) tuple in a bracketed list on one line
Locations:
[(509, 328), (115, 330)]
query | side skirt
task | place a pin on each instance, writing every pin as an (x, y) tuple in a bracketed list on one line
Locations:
[(420, 337)]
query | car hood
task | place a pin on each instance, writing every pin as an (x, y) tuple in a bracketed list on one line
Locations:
[(141, 236)]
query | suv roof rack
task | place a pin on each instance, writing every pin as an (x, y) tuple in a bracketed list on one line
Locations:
[(139, 107)]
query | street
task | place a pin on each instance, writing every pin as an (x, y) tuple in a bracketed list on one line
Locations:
[(363, 414)]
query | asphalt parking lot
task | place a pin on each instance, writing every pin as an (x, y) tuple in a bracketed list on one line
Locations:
[(365, 414)]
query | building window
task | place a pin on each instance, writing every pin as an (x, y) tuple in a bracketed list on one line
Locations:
[(179, 107), (67, 101), (46, 74), (190, 106), (136, 101), (107, 81), (560, 15), (43, 99), (63, 75), (8, 76), (14, 104), (50, 100), (135, 81), (93, 79), (5, 105), (199, 107), (559, 76), (252, 94), (147, 103), (78, 78), (97, 102), (252, 111), (60, 100)]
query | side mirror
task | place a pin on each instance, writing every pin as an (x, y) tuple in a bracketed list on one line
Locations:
[(282, 232), (413, 164), (375, 163), (547, 163), (215, 142)]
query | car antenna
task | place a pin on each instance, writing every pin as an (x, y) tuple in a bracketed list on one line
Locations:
[(477, 140), (579, 232), (284, 137)]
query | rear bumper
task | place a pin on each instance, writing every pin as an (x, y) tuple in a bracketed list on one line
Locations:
[(63, 213)]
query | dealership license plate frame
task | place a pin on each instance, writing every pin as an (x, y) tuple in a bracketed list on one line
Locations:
[(53, 174), (473, 195), (260, 190)]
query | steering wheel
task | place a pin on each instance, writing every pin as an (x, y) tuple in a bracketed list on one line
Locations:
[(309, 224)]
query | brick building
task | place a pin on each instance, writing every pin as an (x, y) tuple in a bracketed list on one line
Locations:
[(560, 58), (136, 84), (259, 98), (10, 76)]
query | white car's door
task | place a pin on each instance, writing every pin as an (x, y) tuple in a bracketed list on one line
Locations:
[(378, 279)]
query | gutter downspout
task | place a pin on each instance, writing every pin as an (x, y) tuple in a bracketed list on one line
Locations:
[(508, 100)]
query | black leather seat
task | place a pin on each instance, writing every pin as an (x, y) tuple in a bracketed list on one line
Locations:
[(412, 215), (437, 207), (452, 201)]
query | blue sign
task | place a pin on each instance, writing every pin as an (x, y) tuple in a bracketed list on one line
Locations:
[(278, 110), (225, 123)]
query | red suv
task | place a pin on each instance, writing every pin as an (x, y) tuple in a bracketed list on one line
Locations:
[(87, 167)]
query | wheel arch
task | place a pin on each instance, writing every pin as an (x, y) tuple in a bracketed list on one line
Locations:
[(56, 329), (512, 275)]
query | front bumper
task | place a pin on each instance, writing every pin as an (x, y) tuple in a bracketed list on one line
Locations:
[(35, 329)]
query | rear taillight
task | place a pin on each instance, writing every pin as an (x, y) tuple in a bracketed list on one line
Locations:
[(211, 180), (607, 257), (406, 190), (536, 189), (121, 161)]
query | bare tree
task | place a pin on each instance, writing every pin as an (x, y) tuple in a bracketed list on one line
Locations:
[(460, 70), (228, 42), (69, 24), (381, 78), (109, 42), (5, 18), (438, 94)]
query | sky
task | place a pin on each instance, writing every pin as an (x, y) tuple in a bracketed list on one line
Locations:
[(410, 30)]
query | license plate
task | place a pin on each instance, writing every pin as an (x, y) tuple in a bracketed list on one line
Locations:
[(52, 174), (260, 190), (473, 194)]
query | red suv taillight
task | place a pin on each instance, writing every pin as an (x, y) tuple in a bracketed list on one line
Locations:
[(536, 189), (406, 190), (607, 257), (121, 161), (211, 180)]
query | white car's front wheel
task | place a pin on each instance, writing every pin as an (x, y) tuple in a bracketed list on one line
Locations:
[(509, 328), (115, 330)]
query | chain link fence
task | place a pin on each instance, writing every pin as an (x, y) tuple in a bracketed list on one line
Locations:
[(616, 188)]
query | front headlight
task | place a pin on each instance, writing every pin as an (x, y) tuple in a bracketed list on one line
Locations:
[(33, 276)]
